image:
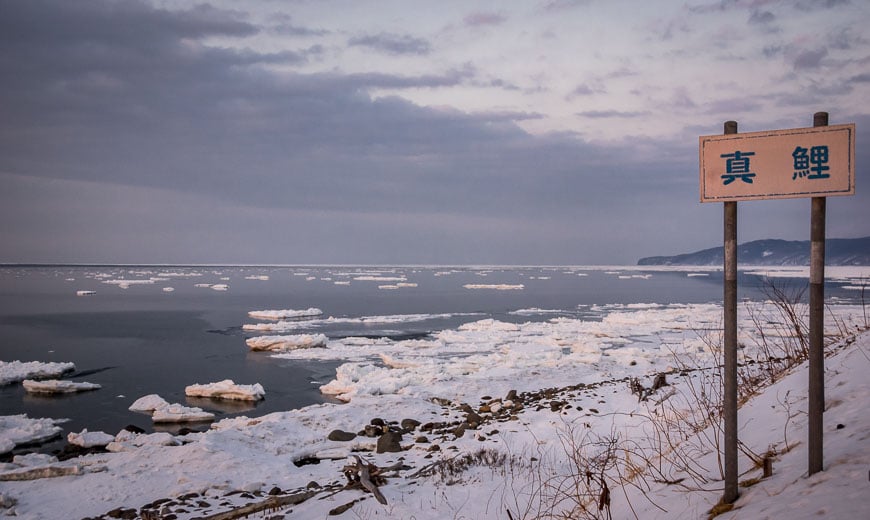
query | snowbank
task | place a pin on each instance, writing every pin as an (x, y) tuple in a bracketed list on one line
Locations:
[(227, 389)]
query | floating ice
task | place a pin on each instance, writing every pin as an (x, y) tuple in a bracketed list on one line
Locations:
[(227, 389), (85, 293), (168, 289), (534, 310), (14, 371), (20, 429), (176, 413), (290, 342), (220, 287), (380, 278), (388, 287), (283, 326), (163, 412), (285, 313), (148, 403), (261, 277), (496, 287), (56, 386), (86, 439)]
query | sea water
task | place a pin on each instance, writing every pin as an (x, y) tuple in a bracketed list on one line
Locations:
[(127, 331)]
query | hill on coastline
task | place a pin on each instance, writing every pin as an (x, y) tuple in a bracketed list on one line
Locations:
[(838, 251)]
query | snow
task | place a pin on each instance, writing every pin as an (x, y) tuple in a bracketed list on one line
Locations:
[(56, 386), (285, 313), (15, 371), (477, 365), (289, 342), (227, 389)]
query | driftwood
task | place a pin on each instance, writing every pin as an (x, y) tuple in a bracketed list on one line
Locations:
[(269, 503), (366, 475)]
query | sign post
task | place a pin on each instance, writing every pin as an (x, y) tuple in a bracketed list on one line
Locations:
[(816, 392), (729, 397), (812, 162)]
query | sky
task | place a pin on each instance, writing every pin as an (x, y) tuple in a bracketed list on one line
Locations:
[(406, 132)]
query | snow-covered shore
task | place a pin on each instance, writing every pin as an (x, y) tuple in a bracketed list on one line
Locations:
[(503, 403)]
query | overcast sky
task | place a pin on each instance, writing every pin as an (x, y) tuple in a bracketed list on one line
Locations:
[(449, 132)]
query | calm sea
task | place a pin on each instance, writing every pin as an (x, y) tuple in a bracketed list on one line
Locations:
[(146, 339)]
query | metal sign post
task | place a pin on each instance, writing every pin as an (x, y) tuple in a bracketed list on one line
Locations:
[(815, 162)]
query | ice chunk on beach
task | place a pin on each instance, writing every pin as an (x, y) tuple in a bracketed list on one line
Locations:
[(227, 389), (86, 439), (14, 371), (285, 313), (176, 413), (289, 342), (57, 386), (20, 429), (148, 403)]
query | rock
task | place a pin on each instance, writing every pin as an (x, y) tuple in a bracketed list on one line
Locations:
[(275, 491), (511, 396), (465, 407), (389, 443), (460, 430), (373, 431), (421, 439), (377, 422), (473, 420), (486, 398), (434, 447), (341, 436), (133, 428), (312, 485), (409, 424)]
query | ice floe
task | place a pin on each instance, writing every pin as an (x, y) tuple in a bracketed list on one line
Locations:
[(57, 386), (220, 287), (177, 413), (260, 277), (284, 326), (20, 429), (227, 389), (14, 371), (86, 439), (163, 412), (285, 313), (85, 293), (289, 342), (496, 287)]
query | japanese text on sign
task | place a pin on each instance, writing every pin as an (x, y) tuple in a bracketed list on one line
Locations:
[(800, 162)]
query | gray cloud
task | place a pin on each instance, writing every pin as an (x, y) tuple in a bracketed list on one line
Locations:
[(392, 43), (605, 114), (157, 147), (809, 59), (484, 18)]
